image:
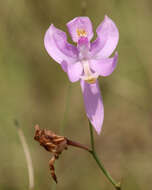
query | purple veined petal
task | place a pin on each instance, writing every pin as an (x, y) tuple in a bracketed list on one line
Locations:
[(104, 67), (107, 39), (93, 104), (58, 48), (73, 70), (80, 26)]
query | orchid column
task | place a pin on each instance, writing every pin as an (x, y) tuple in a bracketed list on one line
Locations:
[(86, 61)]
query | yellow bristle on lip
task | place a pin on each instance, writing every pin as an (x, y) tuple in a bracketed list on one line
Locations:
[(81, 33), (91, 80)]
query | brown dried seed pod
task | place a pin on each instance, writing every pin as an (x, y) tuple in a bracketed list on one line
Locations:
[(52, 143)]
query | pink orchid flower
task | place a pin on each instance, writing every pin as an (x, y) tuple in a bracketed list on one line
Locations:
[(86, 61)]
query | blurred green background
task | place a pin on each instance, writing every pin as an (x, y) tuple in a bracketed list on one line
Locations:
[(34, 89)]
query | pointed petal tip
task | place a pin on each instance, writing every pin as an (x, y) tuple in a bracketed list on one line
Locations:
[(51, 25), (115, 59), (98, 132), (105, 17), (50, 29), (116, 55), (97, 124)]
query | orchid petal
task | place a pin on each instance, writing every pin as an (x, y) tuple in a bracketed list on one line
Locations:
[(107, 39), (73, 70), (82, 24), (93, 104), (58, 48), (104, 67)]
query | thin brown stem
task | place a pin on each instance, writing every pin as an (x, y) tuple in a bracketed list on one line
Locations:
[(78, 145)]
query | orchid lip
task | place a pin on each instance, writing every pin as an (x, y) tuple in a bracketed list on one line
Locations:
[(88, 76), (89, 80), (81, 33)]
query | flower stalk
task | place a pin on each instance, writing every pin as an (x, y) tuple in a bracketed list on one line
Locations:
[(99, 163), (78, 145)]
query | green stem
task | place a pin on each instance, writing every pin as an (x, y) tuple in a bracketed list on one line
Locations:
[(94, 154), (91, 137)]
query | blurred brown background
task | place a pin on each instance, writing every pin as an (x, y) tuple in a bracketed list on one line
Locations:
[(33, 89)]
